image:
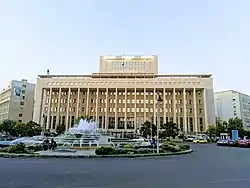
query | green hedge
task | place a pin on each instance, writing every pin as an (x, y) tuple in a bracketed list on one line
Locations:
[(20, 148), (184, 147), (106, 150), (129, 149)]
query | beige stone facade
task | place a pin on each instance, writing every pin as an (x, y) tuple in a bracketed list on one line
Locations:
[(17, 101), (121, 102), (129, 64)]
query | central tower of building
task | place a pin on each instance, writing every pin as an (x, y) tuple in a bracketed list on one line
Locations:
[(129, 64)]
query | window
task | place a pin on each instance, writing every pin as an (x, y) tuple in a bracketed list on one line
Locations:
[(24, 86), (21, 103), (20, 115), (23, 91), (23, 97), (199, 101)]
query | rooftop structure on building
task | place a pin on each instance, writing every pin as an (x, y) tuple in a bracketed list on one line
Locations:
[(17, 101), (123, 95), (232, 104)]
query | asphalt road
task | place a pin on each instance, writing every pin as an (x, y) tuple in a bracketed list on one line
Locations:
[(207, 167)]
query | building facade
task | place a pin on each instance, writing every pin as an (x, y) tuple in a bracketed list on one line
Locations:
[(17, 101), (122, 102), (129, 64), (232, 104)]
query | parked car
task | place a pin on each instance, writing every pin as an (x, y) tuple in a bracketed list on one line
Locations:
[(200, 141), (189, 138), (244, 143), (233, 143), (222, 143)]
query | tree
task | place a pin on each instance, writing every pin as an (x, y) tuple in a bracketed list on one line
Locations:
[(148, 129), (14, 128), (169, 129), (8, 127), (235, 124), (212, 130), (60, 129), (28, 129)]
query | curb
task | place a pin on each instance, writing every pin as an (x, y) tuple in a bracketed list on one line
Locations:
[(12, 155)]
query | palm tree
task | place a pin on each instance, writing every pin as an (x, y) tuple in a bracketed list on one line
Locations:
[(169, 129), (148, 129)]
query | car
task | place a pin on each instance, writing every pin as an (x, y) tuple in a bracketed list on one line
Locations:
[(244, 143), (200, 141), (189, 138), (222, 143)]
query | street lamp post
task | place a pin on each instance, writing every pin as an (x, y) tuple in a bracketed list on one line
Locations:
[(43, 126), (159, 101)]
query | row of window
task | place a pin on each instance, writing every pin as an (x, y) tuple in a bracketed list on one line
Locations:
[(120, 82), (167, 110), (64, 93), (102, 101)]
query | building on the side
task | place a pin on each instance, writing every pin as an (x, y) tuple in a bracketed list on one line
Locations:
[(17, 101), (232, 104), (121, 101)]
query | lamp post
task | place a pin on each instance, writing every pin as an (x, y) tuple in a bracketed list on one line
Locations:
[(43, 126), (159, 101)]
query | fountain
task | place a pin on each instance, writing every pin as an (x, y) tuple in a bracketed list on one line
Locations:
[(83, 135), (84, 127)]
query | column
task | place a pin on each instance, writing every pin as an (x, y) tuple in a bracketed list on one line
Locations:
[(205, 109), (195, 111), (174, 107), (144, 105), (155, 107), (42, 105), (78, 103), (106, 111), (58, 107), (184, 111), (126, 100), (67, 112), (87, 104), (49, 110), (135, 125), (164, 106), (97, 108), (116, 119)]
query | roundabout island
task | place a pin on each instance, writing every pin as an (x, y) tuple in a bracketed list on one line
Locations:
[(86, 141)]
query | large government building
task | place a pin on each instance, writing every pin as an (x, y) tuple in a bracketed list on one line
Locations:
[(124, 94)]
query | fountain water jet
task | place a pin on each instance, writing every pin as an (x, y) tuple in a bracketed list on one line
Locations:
[(83, 134), (84, 127)]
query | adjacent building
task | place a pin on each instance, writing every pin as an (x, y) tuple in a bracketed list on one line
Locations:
[(17, 101), (232, 104), (124, 94)]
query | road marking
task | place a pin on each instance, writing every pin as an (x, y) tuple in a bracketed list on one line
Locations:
[(228, 181)]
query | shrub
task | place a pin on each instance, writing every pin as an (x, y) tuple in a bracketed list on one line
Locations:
[(127, 146), (4, 150), (170, 143), (170, 148), (106, 150), (184, 147), (35, 148), (20, 148)]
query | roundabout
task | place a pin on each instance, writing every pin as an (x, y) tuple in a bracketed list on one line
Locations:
[(208, 166)]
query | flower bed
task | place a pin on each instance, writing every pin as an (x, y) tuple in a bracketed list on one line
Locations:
[(167, 147)]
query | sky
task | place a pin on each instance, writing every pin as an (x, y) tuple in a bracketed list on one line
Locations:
[(69, 36)]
